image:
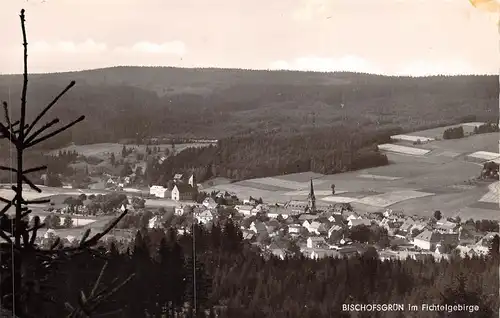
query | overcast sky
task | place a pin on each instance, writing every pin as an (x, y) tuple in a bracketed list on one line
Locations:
[(406, 37)]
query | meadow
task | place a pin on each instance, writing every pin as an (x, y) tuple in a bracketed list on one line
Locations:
[(104, 150), (441, 180)]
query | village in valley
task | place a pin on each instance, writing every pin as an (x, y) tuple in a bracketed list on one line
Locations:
[(326, 216)]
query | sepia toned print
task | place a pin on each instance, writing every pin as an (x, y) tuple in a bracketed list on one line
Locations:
[(300, 158)]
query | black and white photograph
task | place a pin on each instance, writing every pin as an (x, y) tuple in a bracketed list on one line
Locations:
[(249, 158)]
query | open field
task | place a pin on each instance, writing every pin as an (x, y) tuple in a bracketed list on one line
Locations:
[(300, 177), (215, 181), (316, 193), (287, 184), (484, 155), (335, 199), (246, 192), (483, 142), (77, 221), (377, 177), (104, 150), (448, 154), (411, 138), (261, 186), (437, 133), (390, 198), (412, 151), (493, 195)]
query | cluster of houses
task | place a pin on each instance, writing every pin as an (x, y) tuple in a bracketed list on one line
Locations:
[(204, 213), (320, 230), (324, 234), (182, 189)]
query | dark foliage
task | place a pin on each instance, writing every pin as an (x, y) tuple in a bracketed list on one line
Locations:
[(232, 276), (324, 151), (486, 128), (454, 133), (211, 103), (25, 266)]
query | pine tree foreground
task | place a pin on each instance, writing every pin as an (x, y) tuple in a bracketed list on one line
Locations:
[(23, 263)]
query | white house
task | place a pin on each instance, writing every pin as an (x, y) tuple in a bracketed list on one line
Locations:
[(50, 234), (276, 211), (446, 227), (155, 222), (205, 217), (249, 202), (245, 209), (352, 216), (209, 203), (313, 227), (315, 241), (192, 181), (158, 191), (294, 229)]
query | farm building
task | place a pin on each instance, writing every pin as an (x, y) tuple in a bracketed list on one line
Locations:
[(482, 156), (412, 139), (315, 242), (427, 240), (158, 191), (403, 150)]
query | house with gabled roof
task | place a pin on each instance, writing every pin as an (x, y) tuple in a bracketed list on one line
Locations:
[(155, 222), (335, 228), (355, 222), (313, 227), (446, 227), (248, 235), (294, 229), (210, 203), (487, 239), (246, 210), (258, 227), (204, 217), (427, 240), (407, 225), (159, 191), (183, 192), (306, 216), (315, 242), (274, 211)]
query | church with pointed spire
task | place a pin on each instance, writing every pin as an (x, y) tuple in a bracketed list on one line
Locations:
[(311, 199)]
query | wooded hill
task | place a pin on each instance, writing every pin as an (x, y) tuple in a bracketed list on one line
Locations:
[(135, 102)]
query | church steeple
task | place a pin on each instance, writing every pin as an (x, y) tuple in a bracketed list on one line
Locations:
[(311, 199)]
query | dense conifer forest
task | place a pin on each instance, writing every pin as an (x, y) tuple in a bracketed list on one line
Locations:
[(141, 102), (327, 151), (234, 280)]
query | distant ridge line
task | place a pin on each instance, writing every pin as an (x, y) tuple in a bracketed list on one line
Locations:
[(247, 70)]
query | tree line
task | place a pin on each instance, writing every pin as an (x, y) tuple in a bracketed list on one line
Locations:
[(326, 151), (234, 279), (254, 101)]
